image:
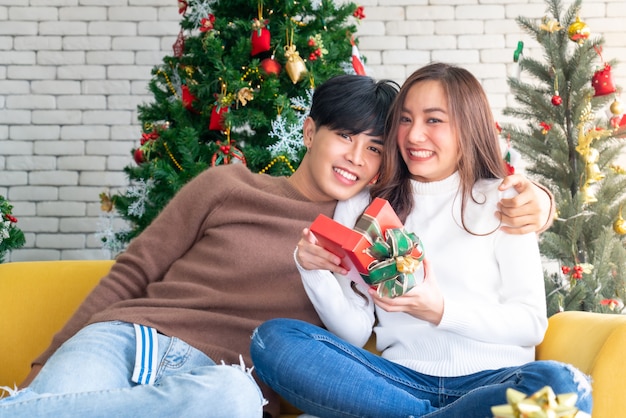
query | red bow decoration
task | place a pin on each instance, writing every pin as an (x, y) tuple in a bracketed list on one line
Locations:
[(182, 7), (359, 13), (207, 23), (225, 153)]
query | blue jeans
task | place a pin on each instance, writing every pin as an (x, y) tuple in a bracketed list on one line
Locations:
[(90, 376), (327, 377)]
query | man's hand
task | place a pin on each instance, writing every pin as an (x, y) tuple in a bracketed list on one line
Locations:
[(312, 256), (530, 211)]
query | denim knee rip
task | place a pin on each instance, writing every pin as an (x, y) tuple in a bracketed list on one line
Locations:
[(248, 371), (582, 380)]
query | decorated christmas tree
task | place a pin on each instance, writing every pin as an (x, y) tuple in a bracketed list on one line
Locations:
[(570, 138), (235, 89), (11, 237)]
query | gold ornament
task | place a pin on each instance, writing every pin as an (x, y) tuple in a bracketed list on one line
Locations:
[(578, 31), (616, 107), (589, 195), (244, 95), (106, 202), (617, 169), (619, 226), (541, 404), (295, 67), (592, 171), (550, 25)]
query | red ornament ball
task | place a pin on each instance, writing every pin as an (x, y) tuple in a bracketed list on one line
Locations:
[(138, 156), (270, 66), (557, 100)]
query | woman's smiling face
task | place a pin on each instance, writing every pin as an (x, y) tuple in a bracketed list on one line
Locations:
[(426, 139)]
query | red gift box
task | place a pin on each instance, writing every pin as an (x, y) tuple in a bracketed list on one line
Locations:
[(353, 245)]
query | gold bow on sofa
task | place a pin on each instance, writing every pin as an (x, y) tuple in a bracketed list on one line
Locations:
[(36, 298)]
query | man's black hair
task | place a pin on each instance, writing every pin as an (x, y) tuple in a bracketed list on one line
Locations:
[(353, 104)]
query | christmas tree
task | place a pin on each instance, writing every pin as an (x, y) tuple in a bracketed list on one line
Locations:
[(11, 237), (570, 139), (235, 89)]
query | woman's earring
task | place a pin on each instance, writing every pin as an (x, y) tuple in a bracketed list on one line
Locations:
[(374, 180)]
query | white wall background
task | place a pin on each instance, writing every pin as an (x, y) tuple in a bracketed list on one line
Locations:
[(72, 73)]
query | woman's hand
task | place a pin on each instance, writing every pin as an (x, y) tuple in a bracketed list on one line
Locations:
[(424, 301), (311, 256), (530, 211)]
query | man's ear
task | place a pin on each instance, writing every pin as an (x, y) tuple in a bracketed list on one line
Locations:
[(308, 132)]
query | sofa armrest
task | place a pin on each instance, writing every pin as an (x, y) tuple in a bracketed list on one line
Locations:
[(36, 299), (595, 344)]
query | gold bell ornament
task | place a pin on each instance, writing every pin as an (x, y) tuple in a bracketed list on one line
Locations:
[(619, 225), (589, 195), (592, 171), (295, 67)]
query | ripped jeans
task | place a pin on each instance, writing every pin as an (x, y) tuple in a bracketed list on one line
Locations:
[(325, 376), (90, 376)]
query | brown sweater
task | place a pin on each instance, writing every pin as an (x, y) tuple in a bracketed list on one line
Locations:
[(216, 263)]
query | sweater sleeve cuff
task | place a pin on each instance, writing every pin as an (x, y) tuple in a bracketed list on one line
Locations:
[(343, 312)]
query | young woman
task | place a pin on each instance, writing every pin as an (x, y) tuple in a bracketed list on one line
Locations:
[(452, 345)]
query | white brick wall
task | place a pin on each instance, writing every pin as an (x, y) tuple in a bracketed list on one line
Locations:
[(73, 71)]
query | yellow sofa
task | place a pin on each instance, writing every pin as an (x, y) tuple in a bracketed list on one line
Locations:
[(36, 298)]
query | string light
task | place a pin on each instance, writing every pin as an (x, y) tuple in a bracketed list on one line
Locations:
[(172, 157), (248, 72), (275, 160), (169, 83)]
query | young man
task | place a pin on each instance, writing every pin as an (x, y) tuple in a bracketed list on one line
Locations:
[(159, 334)]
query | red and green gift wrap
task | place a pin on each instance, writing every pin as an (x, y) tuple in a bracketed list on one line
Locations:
[(378, 252)]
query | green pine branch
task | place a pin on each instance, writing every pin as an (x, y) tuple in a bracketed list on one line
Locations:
[(217, 68), (11, 237), (571, 147)]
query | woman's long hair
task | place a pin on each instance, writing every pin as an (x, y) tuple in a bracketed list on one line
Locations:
[(471, 122)]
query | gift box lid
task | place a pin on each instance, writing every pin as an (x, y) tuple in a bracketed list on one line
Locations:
[(351, 245)]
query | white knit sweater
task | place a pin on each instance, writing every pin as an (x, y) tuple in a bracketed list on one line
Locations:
[(493, 288)]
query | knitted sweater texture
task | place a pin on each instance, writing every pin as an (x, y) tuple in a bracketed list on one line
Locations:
[(215, 264), (492, 285)]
